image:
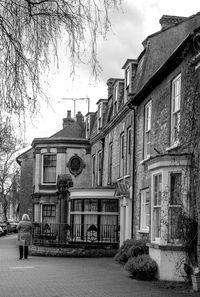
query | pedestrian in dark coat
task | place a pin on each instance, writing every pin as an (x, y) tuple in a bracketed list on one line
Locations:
[(24, 236)]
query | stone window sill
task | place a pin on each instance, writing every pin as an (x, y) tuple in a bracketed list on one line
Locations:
[(144, 160), (143, 231), (174, 146), (167, 247)]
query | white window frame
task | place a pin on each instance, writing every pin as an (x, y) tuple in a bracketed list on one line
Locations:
[(115, 109), (128, 152), (99, 117), (145, 210), (175, 109), (42, 175), (99, 168), (93, 170), (156, 207), (87, 127), (127, 76), (122, 154), (147, 129), (174, 206), (110, 156)]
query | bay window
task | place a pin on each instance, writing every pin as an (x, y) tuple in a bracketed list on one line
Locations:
[(157, 194), (145, 210), (175, 207)]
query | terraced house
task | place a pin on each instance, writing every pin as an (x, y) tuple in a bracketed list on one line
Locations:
[(131, 169), (166, 107)]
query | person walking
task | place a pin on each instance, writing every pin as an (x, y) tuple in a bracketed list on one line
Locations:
[(24, 236)]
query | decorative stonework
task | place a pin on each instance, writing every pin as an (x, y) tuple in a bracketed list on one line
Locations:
[(75, 165)]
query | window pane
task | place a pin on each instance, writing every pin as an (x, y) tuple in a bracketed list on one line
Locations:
[(156, 222), (49, 168), (77, 205), (91, 205), (175, 188), (174, 216), (176, 99), (109, 205), (145, 209), (48, 210)]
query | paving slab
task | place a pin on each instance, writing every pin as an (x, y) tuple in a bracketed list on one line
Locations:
[(73, 277)]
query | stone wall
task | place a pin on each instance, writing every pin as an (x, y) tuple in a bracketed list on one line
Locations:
[(73, 251)]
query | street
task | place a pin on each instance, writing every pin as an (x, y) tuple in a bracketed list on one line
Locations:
[(72, 277)]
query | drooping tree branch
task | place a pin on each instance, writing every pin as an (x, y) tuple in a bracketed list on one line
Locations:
[(29, 34)]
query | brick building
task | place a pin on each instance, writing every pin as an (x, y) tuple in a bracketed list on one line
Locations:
[(166, 108), (25, 160)]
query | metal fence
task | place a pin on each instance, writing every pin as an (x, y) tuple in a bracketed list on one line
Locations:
[(84, 233)]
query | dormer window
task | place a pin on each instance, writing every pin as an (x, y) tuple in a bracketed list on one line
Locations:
[(115, 99), (99, 117), (87, 127), (127, 77)]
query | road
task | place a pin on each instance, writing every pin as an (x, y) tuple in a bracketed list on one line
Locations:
[(72, 277)]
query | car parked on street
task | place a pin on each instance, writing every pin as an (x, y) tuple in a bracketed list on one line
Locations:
[(12, 227), (3, 225), (1, 231)]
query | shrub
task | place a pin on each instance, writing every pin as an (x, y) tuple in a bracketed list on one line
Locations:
[(142, 267), (122, 253), (131, 248), (138, 248)]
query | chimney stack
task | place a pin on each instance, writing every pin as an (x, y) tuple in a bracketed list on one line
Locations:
[(68, 120), (110, 86), (80, 119), (69, 114), (168, 21)]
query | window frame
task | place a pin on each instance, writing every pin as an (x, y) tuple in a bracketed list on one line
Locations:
[(110, 157), (99, 168), (147, 129), (43, 168), (144, 226), (122, 154), (128, 151), (175, 109), (51, 210), (99, 116), (175, 205), (93, 170), (115, 109), (156, 208)]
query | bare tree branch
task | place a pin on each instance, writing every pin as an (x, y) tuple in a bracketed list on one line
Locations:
[(29, 35)]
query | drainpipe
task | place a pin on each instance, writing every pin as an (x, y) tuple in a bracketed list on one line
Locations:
[(133, 166), (102, 159)]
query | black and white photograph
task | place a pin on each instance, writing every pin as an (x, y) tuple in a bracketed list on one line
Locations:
[(99, 148)]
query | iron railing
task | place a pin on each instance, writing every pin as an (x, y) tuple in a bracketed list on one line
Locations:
[(83, 233)]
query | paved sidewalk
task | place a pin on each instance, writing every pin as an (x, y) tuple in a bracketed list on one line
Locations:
[(72, 277)]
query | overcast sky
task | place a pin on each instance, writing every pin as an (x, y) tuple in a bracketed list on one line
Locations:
[(137, 20)]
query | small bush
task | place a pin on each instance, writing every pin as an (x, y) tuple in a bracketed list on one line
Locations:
[(122, 253), (138, 248), (142, 267), (131, 248)]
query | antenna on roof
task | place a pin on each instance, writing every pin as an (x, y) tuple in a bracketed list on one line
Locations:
[(76, 99)]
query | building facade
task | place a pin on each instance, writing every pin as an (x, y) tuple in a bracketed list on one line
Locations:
[(166, 113)]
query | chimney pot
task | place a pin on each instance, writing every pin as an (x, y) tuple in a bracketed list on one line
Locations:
[(69, 114)]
